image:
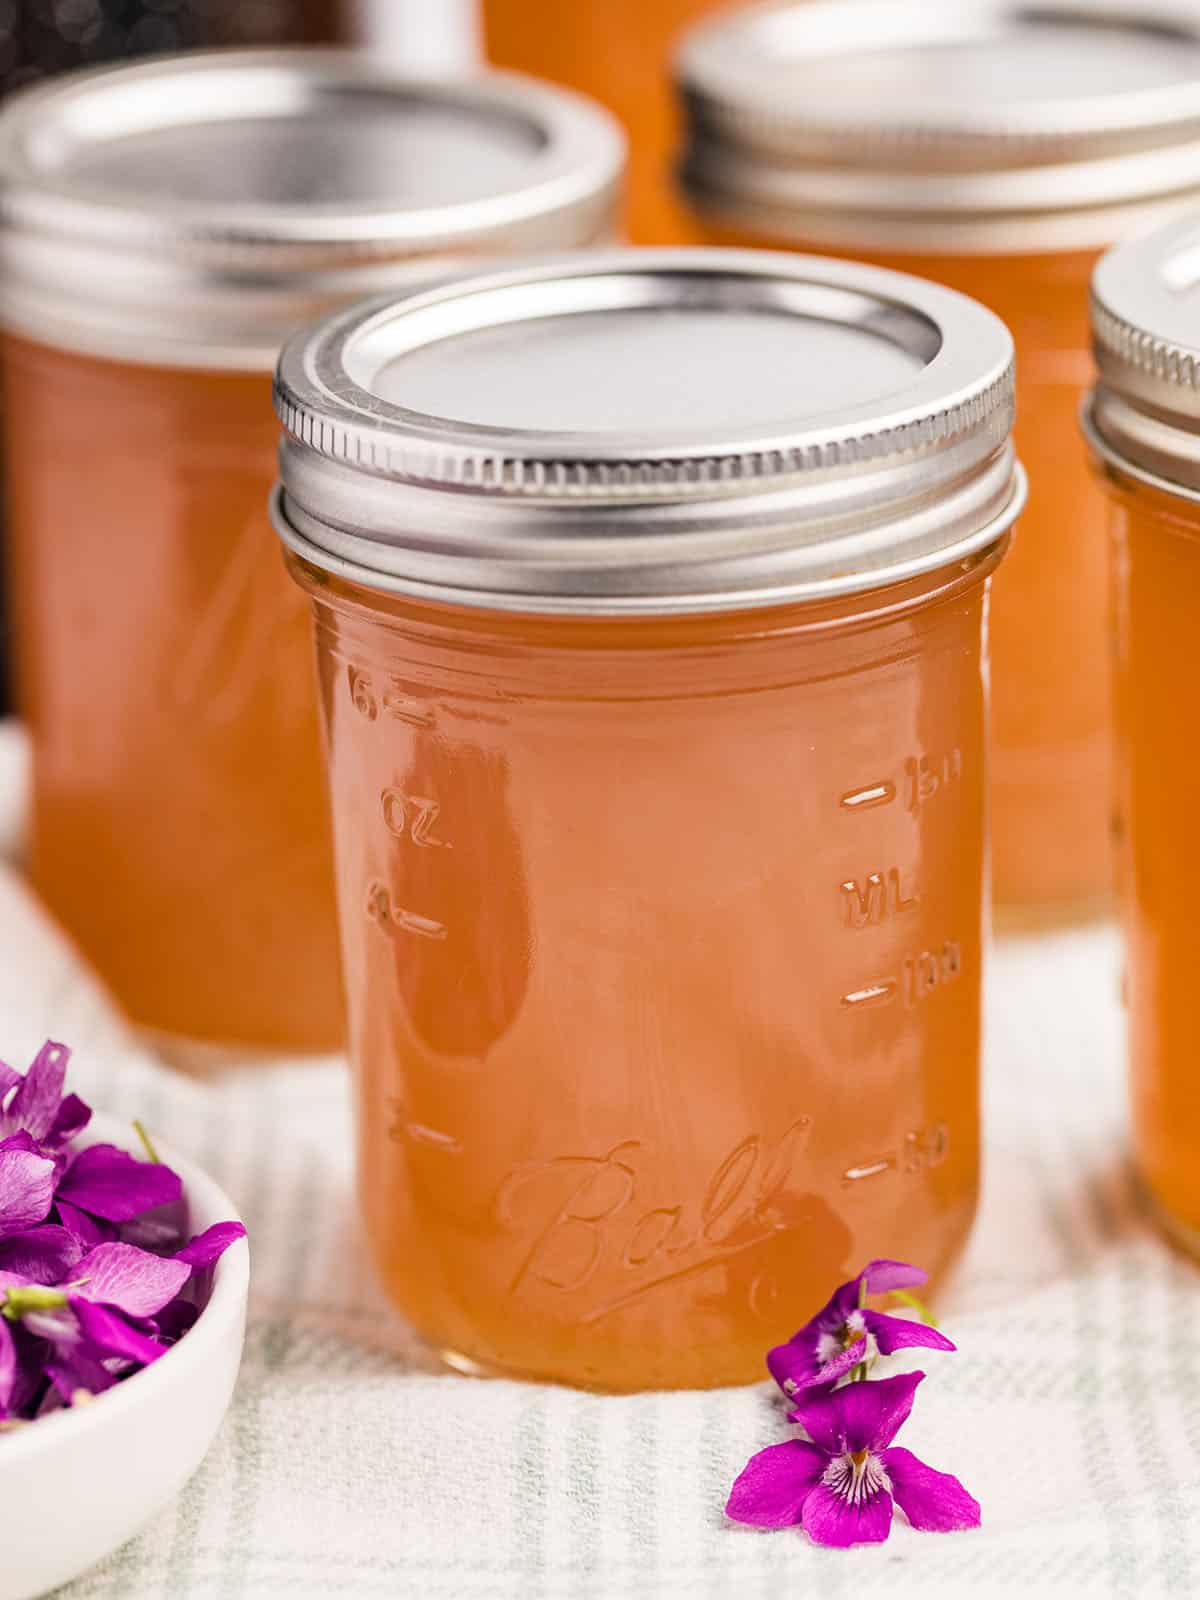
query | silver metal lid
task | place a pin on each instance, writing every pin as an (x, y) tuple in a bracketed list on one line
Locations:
[(195, 209), (945, 124), (1144, 413), (649, 431)]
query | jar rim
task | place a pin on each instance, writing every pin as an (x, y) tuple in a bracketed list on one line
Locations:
[(142, 215), (920, 124), (1145, 409), (499, 439)]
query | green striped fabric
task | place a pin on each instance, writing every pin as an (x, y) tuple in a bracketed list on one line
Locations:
[(350, 1465)]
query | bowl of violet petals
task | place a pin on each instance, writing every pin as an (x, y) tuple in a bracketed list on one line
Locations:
[(123, 1281)]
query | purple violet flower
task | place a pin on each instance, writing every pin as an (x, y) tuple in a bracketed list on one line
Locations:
[(846, 1332), (841, 1484), (95, 1262)]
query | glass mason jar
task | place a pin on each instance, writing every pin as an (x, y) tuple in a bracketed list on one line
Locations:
[(618, 51), (164, 227), (1143, 421), (652, 673), (42, 40), (984, 146)]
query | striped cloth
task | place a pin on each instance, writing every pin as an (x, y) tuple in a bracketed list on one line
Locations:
[(351, 1466)]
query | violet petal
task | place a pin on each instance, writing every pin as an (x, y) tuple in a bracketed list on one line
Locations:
[(796, 1364), (107, 1333), (904, 1333), (112, 1184), (88, 1230), (151, 1233), (772, 1487), (71, 1118), (71, 1371), (174, 1320), (32, 1355), (8, 1077), (39, 1095), (883, 1276), (791, 1365), (42, 1255), (823, 1378), (129, 1279), (932, 1500), (862, 1416), (211, 1245), (831, 1519), (21, 1141), (26, 1190)]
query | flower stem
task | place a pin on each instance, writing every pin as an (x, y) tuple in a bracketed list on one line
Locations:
[(907, 1298), (151, 1152)]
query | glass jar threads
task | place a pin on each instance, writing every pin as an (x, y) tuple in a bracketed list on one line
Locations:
[(649, 592), (1144, 424), (997, 147), (162, 228)]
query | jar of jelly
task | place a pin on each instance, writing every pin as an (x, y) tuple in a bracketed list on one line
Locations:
[(649, 592), (997, 147), (162, 229), (40, 40), (1143, 420), (619, 52)]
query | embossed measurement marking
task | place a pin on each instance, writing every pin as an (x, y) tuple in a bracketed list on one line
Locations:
[(402, 1129), (874, 794), (397, 702), (870, 1169), (872, 900), (386, 915), (923, 777), (922, 1148), (402, 707), (873, 995), (414, 816), (918, 978), (926, 776)]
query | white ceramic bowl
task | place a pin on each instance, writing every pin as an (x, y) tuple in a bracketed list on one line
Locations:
[(77, 1484)]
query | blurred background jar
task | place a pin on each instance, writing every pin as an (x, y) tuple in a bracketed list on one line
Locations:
[(650, 594), (617, 51), (996, 147), (40, 38), (1144, 424), (164, 227)]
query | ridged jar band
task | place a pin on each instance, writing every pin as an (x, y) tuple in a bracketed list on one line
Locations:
[(1144, 415), (696, 559), (194, 210)]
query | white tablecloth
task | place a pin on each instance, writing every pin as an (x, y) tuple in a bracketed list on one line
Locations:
[(351, 1465)]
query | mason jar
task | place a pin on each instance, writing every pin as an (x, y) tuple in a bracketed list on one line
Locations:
[(649, 592), (41, 40), (997, 147), (1143, 420), (162, 228)]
